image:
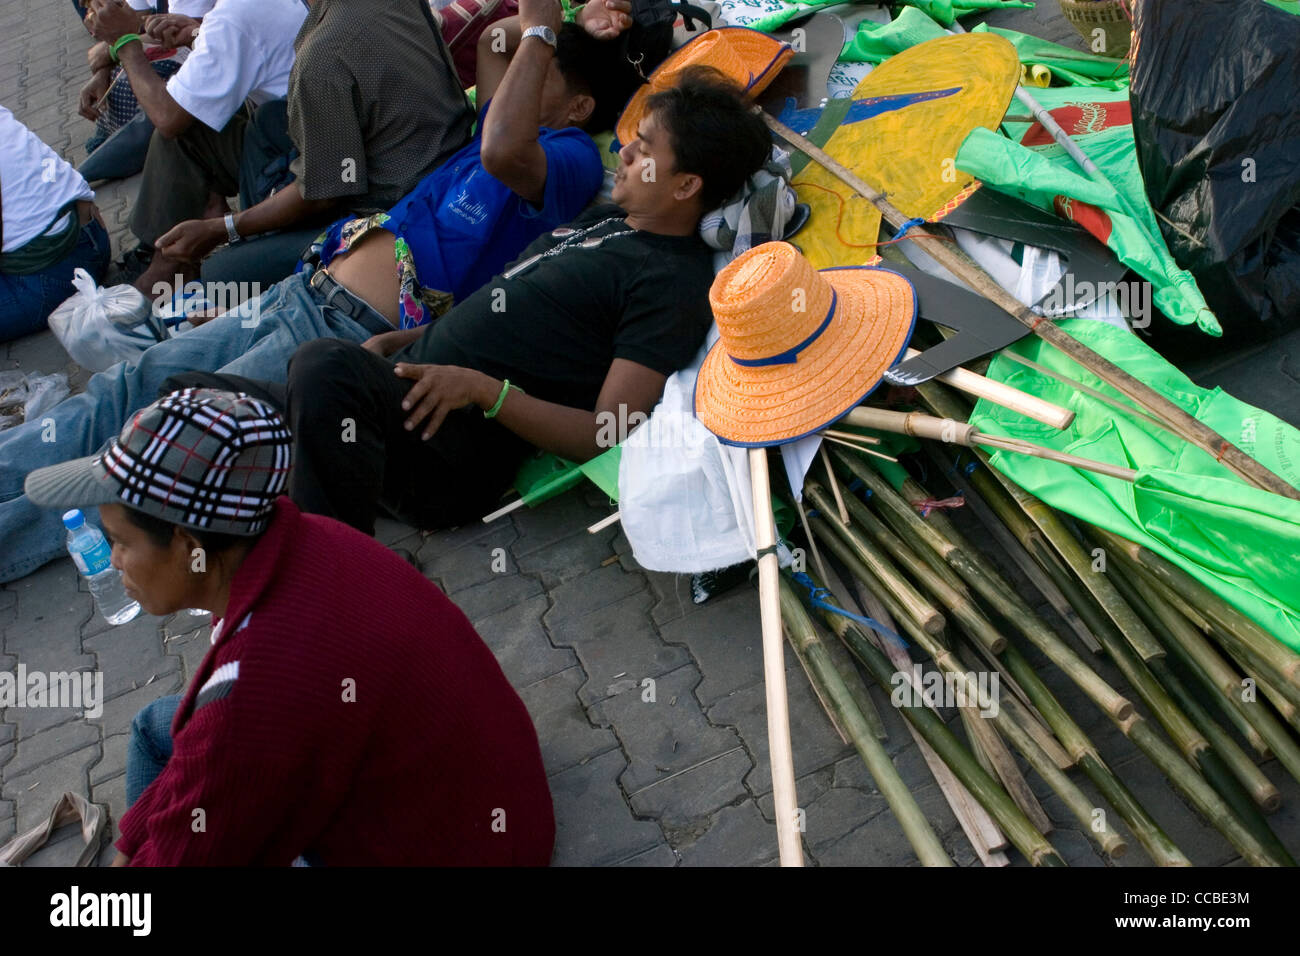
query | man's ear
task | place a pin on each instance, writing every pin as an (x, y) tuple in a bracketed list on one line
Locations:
[(580, 109), (688, 186)]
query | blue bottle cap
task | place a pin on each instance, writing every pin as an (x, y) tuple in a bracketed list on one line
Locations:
[(74, 519)]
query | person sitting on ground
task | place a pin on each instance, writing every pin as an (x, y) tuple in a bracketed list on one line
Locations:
[(589, 322), (120, 143), (243, 52), (49, 227), (362, 145), (465, 222), (347, 713)]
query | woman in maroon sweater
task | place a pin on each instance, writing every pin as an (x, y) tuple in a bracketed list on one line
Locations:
[(347, 712)]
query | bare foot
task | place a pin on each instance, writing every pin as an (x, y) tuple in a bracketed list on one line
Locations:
[(165, 277)]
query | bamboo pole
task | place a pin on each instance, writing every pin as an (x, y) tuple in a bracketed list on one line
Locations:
[(1237, 626), (984, 739), (957, 603), (1259, 787), (959, 433), (1031, 406), (916, 828), (997, 592), (966, 269), (1267, 735), (1031, 843), (1006, 720), (980, 829), (785, 801)]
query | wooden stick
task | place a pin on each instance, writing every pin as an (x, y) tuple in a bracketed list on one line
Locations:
[(604, 523), (1031, 406), (834, 484), (855, 436), (785, 801), (966, 269), (862, 448), (960, 433), (502, 512)]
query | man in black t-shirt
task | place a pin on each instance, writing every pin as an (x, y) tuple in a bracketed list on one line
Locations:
[(591, 319)]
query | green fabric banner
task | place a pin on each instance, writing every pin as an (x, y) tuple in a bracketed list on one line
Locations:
[(1029, 164), (1241, 542), (1070, 66)]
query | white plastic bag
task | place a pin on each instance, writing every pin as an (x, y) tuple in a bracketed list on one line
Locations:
[(101, 327)]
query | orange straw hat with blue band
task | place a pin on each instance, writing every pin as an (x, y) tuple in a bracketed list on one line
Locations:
[(799, 348), (748, 58)]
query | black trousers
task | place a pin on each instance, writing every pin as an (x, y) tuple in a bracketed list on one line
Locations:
[(351, 455)]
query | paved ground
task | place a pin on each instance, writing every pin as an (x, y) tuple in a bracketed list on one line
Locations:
[(578, 628)]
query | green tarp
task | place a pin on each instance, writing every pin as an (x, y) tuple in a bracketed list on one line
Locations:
[(1241, 542), (1040, 172), (1069, 66)]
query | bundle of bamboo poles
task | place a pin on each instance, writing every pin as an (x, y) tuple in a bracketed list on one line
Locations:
[(1201, 691)]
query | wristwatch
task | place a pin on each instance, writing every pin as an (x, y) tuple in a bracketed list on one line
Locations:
[(231, 234), (545, 34)]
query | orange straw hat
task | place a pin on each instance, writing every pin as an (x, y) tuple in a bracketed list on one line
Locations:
[(748, 58), (799, 348)]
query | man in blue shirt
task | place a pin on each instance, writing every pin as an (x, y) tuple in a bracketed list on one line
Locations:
[(530, 170)]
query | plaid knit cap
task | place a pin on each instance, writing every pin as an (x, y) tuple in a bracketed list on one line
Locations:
[(199, 457)]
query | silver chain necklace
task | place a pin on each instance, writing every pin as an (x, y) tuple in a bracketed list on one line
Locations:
[(576, 239)]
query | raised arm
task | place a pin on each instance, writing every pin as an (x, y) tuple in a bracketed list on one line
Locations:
[(110, 21)]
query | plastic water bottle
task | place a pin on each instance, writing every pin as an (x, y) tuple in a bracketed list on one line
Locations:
[(91, 553)]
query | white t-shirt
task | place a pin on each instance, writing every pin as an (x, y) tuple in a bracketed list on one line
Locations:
[(197, 9), (35, 183), (244, 51)]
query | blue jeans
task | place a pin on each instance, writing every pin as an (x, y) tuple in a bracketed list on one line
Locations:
[(255, 341), (27, 301), (150, 746)]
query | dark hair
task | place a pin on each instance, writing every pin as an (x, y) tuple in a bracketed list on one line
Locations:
[(160, 532), (713, 131), (599, 69)]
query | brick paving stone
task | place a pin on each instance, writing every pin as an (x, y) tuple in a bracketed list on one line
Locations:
[(814, 740), (695, 793), (35, 790), (724, 637), (559, 518), (738, 836), (31, 719), (8, 743), (578, 597), (666, 735), (519, 641), (477, 562), (131, 655), (1201, 843), (119, 711), (50, 609), (188, 646), (568, 557), (661, 855), (594, 826), (617, 644), (566, 736), (672, 594), (501, 592), (112, 761)]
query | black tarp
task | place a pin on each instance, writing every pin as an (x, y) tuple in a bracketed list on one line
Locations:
[(1215, 95)]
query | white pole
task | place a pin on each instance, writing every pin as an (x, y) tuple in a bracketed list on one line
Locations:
[(778, 706)]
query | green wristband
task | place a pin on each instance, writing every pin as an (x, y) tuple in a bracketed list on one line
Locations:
[(121, 42), (501, 399)]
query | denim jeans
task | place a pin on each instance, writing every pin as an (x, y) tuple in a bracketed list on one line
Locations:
[(27, 301), (150, 746), (255, 340)]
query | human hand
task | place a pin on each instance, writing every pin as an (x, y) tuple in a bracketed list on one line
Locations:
[(439, 389), (605, 19), (541, 13), (384, 344), (99, 58), (110, 20), (172, 29), (92, 92), (191, 240)]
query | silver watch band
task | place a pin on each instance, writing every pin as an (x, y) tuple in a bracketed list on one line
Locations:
[(231, 234), (545, 34)]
